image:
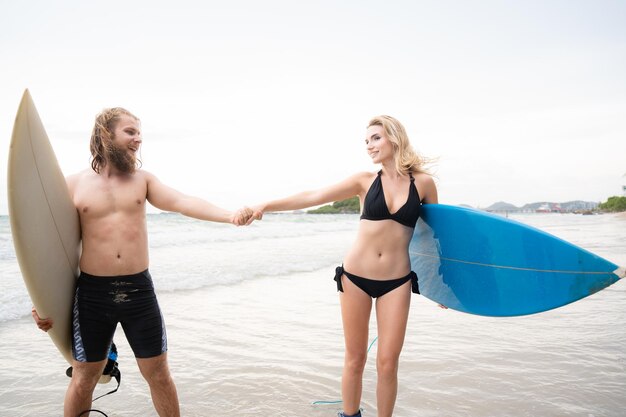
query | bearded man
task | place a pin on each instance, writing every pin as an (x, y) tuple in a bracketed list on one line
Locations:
[(114, 285)]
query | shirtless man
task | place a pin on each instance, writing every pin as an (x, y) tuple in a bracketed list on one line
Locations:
[(115, 285)]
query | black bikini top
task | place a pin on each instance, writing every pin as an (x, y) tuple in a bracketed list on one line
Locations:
[(375, 206)]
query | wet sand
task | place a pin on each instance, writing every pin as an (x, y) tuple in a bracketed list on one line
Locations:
[(272, 346)]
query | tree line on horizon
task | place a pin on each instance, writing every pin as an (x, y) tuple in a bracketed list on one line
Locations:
[(349, 206), (613, 204), (352, 205)]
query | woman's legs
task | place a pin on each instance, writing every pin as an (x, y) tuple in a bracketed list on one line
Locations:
[(392, 312), (356, 307)]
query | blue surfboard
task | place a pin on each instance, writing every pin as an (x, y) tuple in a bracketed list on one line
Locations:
[(480, 263)]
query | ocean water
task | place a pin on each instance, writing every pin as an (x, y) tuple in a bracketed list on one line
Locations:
[(186, 254), (254, 329)]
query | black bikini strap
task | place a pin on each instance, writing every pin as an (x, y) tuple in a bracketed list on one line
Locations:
[(338, 273), (415, 287), (411, 175)]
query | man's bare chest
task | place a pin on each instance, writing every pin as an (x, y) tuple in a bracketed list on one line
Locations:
[(104, 199)]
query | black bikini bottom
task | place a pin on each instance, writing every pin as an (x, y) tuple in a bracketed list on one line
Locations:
[(374, 287)]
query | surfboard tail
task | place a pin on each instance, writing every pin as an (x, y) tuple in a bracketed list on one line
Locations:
[(620, 272)]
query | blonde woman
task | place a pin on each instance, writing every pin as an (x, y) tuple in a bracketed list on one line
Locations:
[(377, 266)]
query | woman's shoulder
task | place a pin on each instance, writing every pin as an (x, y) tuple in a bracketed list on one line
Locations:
[(426, 186), (422, 176), (367, 174), (358, 182), (365, 177)]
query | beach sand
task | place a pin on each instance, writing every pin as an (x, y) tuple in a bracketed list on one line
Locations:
[(621, 216), (263, 347), (272, 346)]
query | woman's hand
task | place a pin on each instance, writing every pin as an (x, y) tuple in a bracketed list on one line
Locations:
[(242, 217), (257, 213)]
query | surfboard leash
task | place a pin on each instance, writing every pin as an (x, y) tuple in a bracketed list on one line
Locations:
[(322, 402), (88, 411), (115, 373), (111, 369)]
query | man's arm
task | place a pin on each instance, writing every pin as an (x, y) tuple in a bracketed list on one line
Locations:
[(166, 198)]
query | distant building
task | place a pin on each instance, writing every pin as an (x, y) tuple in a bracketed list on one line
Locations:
[(549, 208), (544, 208), (576, 206)]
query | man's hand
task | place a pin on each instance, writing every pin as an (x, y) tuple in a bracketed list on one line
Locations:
[(242, 217), (43, 324)]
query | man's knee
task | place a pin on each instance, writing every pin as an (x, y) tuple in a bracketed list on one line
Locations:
[(155, 370), (85, 376)]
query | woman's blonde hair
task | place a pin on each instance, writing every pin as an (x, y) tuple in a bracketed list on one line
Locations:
[(407, 160), (103, 129)]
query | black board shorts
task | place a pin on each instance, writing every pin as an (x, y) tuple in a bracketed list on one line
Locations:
[(100, 303)]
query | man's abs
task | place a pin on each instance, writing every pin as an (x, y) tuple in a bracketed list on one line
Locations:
[(114, 246)]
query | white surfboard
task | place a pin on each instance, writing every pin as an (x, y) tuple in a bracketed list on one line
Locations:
[(44, 223)]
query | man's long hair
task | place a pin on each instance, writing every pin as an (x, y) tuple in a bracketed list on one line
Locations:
[(103, 130)]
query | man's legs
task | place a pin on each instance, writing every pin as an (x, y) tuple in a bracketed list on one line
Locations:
[(164, 397), (85, 376)]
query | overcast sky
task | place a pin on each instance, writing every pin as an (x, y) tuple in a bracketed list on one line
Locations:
[(242, 101)]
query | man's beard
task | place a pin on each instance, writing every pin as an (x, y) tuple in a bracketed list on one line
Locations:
[(120, 158)]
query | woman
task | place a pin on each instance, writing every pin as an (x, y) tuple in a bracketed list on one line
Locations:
[(377, 265)]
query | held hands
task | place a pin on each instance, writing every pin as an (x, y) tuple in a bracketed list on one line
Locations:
[(43, 324), (257, 213), (242, 217), (246, 215)]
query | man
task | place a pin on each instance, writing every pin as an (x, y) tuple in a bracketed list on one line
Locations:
[(115, 285)]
